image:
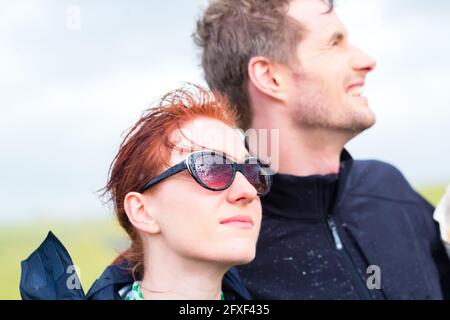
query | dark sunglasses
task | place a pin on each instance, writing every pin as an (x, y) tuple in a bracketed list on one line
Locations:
[(214, 171)]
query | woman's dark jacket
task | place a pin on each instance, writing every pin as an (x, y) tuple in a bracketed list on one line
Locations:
[(49, 274)]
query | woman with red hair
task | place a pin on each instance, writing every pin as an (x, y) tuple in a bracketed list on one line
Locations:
[(187, 193)]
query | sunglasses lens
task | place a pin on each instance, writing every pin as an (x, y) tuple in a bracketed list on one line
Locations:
[(257, 177), (213, 170)]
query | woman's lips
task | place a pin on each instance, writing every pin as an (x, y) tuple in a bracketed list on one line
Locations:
[(241, 222)]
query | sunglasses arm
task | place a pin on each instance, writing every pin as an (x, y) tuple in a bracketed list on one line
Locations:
[(169, 172)]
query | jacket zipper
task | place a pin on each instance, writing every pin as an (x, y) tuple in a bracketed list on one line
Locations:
[(358, 281), (334, 233)]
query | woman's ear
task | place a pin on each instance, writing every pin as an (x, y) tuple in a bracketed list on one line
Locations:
[(140, 213), (268, 77)]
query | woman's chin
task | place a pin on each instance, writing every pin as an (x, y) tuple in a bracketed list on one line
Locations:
[(230, 253), (239, 256)]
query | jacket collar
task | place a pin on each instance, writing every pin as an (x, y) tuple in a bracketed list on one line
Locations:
[(117, 277), (48, 271), (306, 197), (112, 280)]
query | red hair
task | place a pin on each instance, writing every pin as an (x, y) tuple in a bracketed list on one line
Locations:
[(146, 149)]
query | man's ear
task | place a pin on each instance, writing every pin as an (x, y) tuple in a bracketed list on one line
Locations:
[(268, 77), (140, 213)]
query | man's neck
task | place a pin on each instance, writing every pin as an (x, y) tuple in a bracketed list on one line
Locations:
[(172, 277), (306, 161), (303, 151)]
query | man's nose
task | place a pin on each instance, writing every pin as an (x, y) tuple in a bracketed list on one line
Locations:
[(361, 61)]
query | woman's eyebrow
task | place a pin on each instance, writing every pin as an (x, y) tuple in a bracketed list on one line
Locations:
[(246, 157), (240, 160), (231, 157)]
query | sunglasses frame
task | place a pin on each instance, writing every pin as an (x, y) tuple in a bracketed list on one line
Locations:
[(189, 164)]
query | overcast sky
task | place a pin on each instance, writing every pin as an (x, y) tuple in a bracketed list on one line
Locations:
[(69, 87)]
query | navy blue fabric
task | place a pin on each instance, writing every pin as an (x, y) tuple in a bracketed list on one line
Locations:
[(116, 277), (380, 220), (47, 274)]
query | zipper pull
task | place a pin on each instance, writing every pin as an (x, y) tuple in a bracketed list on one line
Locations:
[(337, 239)]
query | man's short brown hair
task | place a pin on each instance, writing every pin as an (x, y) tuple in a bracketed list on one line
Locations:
[(231, 32)]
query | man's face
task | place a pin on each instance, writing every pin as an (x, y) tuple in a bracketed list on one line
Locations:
[(326, 85)]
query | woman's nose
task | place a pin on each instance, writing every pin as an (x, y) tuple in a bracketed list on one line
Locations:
[(241, 190)]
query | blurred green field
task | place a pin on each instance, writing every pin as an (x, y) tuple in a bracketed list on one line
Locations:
[(432, 193), (91, 244)]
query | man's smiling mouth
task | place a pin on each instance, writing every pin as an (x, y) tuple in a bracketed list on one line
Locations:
[(356, 89)]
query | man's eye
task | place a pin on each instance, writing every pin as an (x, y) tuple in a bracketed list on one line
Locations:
[(338, 41)]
